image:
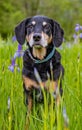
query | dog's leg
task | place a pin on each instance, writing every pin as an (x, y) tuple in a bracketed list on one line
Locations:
[(30, 103), (50, 85), (28, 84), (55, 88)]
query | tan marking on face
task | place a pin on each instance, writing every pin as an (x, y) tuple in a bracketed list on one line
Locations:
[(33, 22), (44, 23), (47, 38), (28, 37), (50, 39), (39, 53)]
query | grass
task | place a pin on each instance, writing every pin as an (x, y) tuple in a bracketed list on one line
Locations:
[(42, 117)]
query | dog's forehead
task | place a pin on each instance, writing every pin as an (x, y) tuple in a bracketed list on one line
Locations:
[(40, 20)]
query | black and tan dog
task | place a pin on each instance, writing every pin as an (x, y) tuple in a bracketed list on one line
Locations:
[(42, 35)]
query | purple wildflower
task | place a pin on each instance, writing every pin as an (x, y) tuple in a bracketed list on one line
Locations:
[(13, 62), (80, 35), (69, 45), (77, 24), (80, 27), (19, 52), (74, 36), (19, 47), (13, 65), (77, 28), (11, 68), (14, 38)]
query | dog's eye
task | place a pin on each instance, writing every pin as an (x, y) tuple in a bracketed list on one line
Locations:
[(47, 28), (30, 27)]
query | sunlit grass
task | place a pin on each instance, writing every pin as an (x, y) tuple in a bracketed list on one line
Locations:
[(44, 116)]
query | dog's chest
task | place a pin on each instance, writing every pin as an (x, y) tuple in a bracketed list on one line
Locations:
[(44, 69)]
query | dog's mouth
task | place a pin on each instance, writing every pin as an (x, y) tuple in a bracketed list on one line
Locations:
[(39, 51), (37, 46)]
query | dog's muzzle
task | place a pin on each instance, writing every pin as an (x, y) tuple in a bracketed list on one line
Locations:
[(37, 40), (37, 37)]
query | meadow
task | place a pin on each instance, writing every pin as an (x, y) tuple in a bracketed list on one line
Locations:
[(12, 107)]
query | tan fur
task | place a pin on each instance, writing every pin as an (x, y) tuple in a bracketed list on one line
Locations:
[(49, 39), (39, 52), (29, 37), (50, 85), (29, 83)]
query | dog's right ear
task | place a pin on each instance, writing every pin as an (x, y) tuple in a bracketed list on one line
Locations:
[(20, 31)]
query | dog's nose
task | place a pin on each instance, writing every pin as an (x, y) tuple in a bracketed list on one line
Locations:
[(37, 37)]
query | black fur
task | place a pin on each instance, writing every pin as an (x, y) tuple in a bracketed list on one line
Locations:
[(57, 31), (43, 68)]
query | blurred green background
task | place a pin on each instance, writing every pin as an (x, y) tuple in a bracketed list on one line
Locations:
[(66, 12)]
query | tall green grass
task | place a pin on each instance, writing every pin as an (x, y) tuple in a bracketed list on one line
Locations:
[(44, 116)]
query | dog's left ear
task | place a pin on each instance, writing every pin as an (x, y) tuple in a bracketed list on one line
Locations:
[(20, 31), (58, 34)]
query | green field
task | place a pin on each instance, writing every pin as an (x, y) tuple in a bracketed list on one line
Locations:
[(13, 116)]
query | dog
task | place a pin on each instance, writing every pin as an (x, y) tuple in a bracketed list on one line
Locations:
[(41, 60)]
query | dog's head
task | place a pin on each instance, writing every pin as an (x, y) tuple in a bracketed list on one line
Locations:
[(39, 32)]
